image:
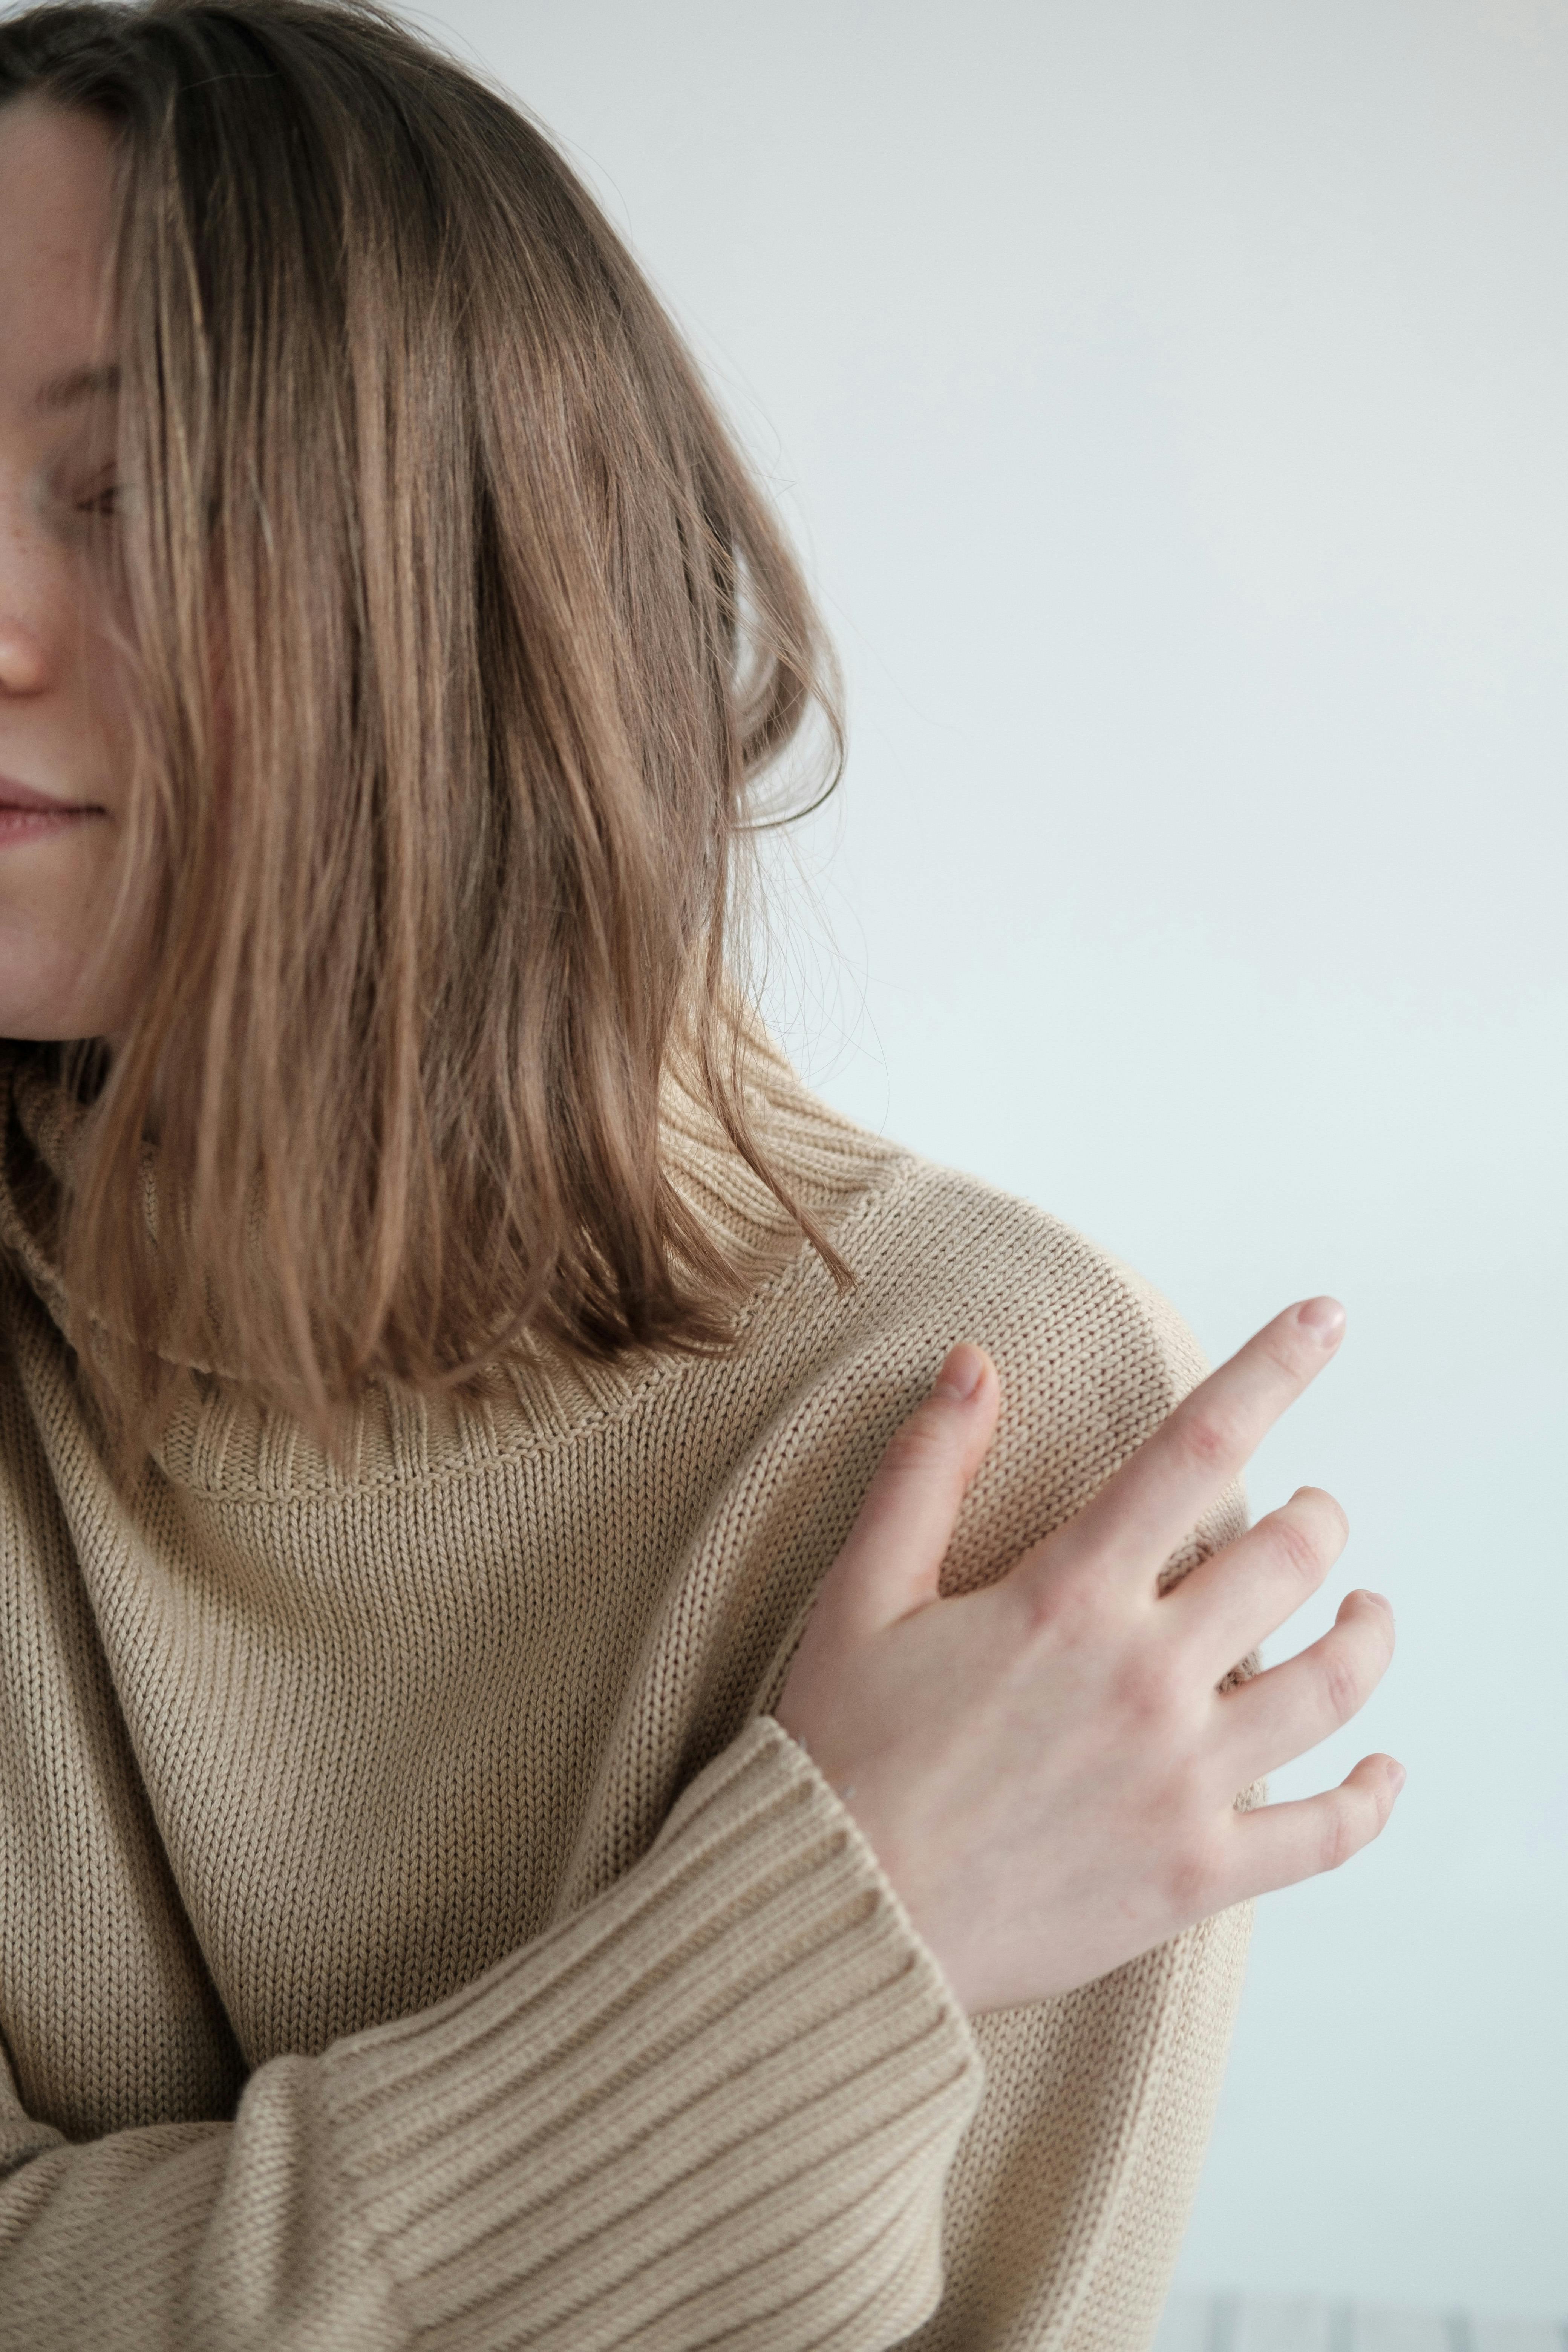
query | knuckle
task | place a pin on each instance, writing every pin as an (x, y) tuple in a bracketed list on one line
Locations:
[(920, 1445), (1208, 1436), (1343, 1833), (1067, 1608), (1284, 1350), (1341, 1682), (1296, 1551), (1193, 1877), (1037, 1613)]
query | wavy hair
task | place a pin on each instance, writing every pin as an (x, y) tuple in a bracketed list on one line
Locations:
[(459, 636)]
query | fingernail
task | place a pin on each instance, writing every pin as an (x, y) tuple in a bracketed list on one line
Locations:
[(1324, 1318), (1382, 1599), (1396, 1774), (962, 1373)]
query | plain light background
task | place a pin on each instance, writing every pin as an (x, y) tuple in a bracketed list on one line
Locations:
[(1170, 398)]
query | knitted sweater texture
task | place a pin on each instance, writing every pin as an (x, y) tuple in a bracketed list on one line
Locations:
[(416, 1930)]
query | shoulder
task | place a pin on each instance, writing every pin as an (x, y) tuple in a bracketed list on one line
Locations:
[(1091, 1356), (937, 1256)]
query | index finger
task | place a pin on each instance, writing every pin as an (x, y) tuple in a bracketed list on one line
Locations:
[(1147, 1508)]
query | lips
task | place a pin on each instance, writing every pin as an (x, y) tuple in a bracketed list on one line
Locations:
[(22, 796)]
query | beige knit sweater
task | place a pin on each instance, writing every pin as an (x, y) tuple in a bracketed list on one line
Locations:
[(415, 1930)]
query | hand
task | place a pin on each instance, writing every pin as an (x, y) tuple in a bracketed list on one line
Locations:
[(1047, 1769)]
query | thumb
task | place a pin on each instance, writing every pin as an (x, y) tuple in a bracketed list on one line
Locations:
[(893, 1560)]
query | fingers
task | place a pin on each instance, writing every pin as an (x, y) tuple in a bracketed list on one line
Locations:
[(893, 1557), (1232, 1601), (1141, 1514), (1278, 1845), (1280, 1715)]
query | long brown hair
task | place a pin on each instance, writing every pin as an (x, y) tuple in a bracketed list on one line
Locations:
[(459, 635)]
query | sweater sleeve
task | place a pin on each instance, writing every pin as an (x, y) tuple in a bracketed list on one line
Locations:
[(718, 2103)]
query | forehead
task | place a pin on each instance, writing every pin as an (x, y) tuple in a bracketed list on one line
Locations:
[(55, 190)]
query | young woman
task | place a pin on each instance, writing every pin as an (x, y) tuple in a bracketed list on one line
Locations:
[(621, 1721)]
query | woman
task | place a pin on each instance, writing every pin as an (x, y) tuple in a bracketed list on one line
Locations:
[(504, 1841)]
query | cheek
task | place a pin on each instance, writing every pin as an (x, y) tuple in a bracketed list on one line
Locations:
[(108, 689), (102, 692), (61, 975)]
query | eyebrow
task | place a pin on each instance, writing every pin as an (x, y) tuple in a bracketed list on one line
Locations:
[(77, 383)]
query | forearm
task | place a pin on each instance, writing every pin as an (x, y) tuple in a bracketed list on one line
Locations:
[(721, 2100)]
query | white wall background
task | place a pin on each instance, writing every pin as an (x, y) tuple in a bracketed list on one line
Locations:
[(1172, 396)]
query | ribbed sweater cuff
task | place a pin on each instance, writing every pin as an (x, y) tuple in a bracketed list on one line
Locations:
[(721, 2099)]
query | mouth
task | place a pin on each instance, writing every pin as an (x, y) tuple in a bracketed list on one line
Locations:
[(22, 797)]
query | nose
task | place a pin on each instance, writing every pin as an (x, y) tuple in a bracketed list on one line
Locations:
[(23, 665)]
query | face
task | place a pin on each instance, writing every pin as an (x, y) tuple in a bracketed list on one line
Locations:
[(63, 738)]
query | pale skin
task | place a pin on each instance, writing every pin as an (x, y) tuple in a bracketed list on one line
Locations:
[(62, 723), (1047, 1769)]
